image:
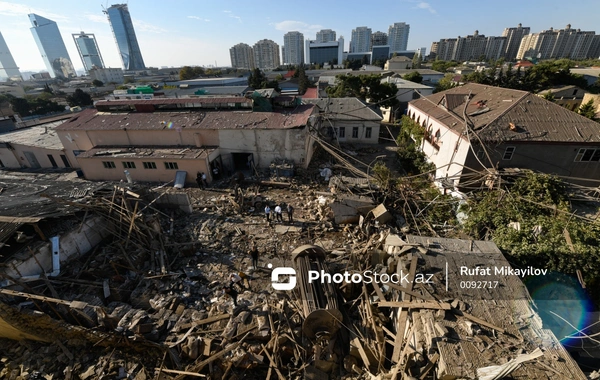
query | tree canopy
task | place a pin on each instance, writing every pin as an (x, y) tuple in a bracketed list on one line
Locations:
[(547, 231), (414, 76), (588, 109), (31, 105), (79, 98), (366, 87), (303, 82), (188, 72)]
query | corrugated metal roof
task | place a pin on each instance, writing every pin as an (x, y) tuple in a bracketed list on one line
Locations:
[(493, 110), (94, 120)]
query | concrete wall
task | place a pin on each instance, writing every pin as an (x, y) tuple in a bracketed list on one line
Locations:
[(8, 158), (350, 125), (265, 144), (41, 154), (72, 245), (557, 159), (93, 169), (448, 153)]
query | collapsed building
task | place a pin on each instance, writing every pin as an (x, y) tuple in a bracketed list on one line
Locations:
[(138, 290)]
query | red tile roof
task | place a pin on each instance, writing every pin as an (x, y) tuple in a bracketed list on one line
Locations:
[(311, 93)]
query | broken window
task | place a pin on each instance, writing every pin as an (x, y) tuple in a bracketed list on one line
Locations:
[(149, 165), (368, 131), (171, 165), (354, 132), (342, 132), (129, 164), (587, 155), (508, 153), (109, 164)]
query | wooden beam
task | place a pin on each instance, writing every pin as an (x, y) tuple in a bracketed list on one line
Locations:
[(429, 366), (416, 305), (176, 372), (482, 322), (402, 320)]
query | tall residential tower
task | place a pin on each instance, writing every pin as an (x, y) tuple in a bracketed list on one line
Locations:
[(52, 47), (242, 56), (360, 41), (88, 51), (266, 54), (122, 27), (513, 40), (293, 48), (398, 36)]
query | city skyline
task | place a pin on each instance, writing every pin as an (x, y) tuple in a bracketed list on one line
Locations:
[(186, 34)]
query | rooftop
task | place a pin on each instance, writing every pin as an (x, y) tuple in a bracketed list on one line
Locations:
[(403, 83), (41, 136), (420, 71), (591, 71), (95, 120), (179, 153), (500, 114), (345, 109)]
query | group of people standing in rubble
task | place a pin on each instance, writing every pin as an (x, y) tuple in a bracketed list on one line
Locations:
[(278, 213)]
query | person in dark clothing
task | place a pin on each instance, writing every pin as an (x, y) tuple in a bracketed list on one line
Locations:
[(232, 293), (199, 180), (290, 212), (254, 253)]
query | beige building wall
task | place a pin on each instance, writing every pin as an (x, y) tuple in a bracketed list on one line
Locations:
[(8, 158), (266, 145), (93, 169), (20, 159)]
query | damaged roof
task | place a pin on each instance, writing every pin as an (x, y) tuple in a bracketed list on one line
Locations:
[(282, 119), (500, 114), (41, 136), (346, 109), (146, 152)]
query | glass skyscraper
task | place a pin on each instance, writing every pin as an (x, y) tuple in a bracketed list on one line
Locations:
[(8, 67), (122, 27), (52, 47), (88, 50)]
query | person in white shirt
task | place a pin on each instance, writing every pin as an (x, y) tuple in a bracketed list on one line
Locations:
[(278, 214)]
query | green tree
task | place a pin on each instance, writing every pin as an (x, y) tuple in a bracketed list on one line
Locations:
[(540, 204), (303, 82), (257, 79), (417, 61), (443, 66), (414, 77), (186, 72), (366, 87), (79, 98), (548, 96), (446, 83), (97, 83), (20, 106), (588, 109)]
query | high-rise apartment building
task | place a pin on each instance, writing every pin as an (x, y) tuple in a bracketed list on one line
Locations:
[(379, 39), (361, 40), (293, 47), (554, 44), (8, 67), (242, 56), (88, 50), (122, 27), (321, 53), (469, 48), (266, 54), (398, 36), (325, 35), (513, 40), (52, 47)]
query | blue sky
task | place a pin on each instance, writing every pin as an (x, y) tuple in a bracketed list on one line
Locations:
[(188, 32)]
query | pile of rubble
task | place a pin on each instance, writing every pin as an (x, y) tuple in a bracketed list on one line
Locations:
[(150, 302)]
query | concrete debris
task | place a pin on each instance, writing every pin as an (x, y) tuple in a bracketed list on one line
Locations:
[(184, 285)]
